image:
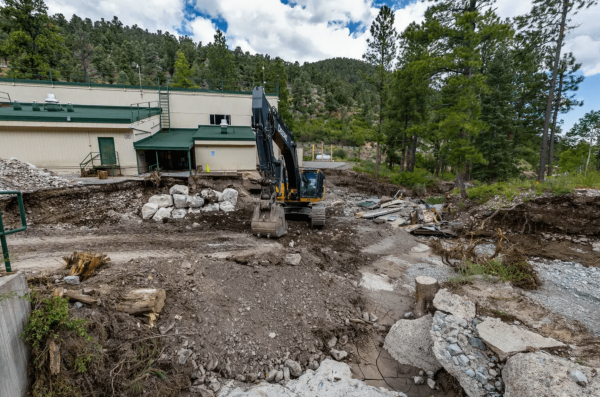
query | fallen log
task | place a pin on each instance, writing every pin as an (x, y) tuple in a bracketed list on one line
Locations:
[(142, 301), (80, 297)]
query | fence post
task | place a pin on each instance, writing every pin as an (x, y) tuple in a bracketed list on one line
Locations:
[(51, 81), (221, 85), (12, 75), (123, 80), (87, 76)]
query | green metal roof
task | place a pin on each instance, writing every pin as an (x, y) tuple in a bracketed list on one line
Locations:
[(213, 133), (81, 114), (176, 139)]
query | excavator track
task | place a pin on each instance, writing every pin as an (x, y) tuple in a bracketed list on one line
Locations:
[(317, 216)]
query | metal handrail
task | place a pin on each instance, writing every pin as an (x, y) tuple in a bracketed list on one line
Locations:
[(156, 167), (136, 107), (5, 95), (3, 233)]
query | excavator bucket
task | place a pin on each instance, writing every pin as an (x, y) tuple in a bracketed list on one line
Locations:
[(269, 222)]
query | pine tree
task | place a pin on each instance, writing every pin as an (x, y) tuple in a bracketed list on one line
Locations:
[(588, 128), (183, 73), (381, 53), (552, 19), (220, 62)]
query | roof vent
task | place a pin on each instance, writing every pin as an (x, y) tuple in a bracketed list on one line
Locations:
[(224, 126), (50, 98)]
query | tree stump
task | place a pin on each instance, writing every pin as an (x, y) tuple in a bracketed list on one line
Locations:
[(142, 301), (427, 287)]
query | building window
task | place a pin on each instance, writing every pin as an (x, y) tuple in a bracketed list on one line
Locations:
[(215, 119)]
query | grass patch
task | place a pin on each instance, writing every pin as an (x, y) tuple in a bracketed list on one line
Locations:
[(420, 178), (435, 200), (492, 270)]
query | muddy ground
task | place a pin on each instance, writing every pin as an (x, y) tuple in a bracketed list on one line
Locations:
[(234, 309)]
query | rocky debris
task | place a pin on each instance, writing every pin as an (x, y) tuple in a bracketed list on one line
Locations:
[(506, 340), (293, 260), (180, 200), (162, 213), (536, 374), (338, 354), (210, 195), (332, 379), (26, 177), (162, 200), (294, 368), (179, 213), (72, 280), (226, 206), (451, 303), (179, 189), (148, 210), (408, 341), (194, 201), (210, 207), (471, 366), (229, 195)]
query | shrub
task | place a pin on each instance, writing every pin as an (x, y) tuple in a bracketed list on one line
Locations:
[(418, 178), (340, 153)]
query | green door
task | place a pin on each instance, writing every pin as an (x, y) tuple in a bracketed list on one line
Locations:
[(107, 151)]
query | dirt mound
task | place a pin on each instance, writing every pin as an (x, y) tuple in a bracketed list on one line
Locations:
[(19, 175)]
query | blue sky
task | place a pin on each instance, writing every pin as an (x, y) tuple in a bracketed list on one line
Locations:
[(311, 30)]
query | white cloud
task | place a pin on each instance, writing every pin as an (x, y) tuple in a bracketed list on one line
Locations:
[(165, 15), (587, 52), (203, 30)]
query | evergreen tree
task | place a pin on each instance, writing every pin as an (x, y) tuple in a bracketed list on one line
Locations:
[(588, 128), (381, 53), (183, 73), (220, 62)]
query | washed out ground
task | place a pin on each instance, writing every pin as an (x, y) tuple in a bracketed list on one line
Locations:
[(232, 299)]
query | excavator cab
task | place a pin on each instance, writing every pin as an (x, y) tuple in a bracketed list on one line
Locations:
[(312, 184)]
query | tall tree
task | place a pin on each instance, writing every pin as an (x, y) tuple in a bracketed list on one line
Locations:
[(552, 18), (220, 61), (183, 72), (381, 53), (588, 127)]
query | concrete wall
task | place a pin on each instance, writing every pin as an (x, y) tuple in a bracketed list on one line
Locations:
[(13, 351), (188, 109), (62, 149), (226, 156), (145, 128)]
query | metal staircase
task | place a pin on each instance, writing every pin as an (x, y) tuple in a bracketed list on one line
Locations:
[(165, 117)]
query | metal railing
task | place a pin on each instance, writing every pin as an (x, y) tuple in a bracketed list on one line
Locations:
[(4, 233), (88, 161), (5, 95), (141, 112)]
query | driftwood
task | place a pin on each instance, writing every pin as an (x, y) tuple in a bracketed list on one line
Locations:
[(427, 287), (142, 301), (54, 349)]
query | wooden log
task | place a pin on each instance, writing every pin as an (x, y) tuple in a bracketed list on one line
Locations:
[(102, 174), (426, 287), (77, 296), (142, 301), (54, 349)]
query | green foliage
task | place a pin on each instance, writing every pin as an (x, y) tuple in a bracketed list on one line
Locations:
[(418, 178), (340, 153), (183, 72), (220, 60), (435, 200), (494, 269)]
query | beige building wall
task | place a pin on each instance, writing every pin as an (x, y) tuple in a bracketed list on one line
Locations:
[(188, 109), (226, 156), (145, 128), (62, 149)]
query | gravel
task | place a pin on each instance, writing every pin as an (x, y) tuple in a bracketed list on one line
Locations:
[(26, 177), (569, 289)]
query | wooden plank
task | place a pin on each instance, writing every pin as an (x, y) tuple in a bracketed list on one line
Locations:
[(378, 213)]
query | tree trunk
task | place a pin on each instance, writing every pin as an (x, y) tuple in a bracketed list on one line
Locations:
[(426, 287), (412, 153), (556, 110), (142, 301), (403, 156), (587, 163), (544, 149), (460, 181)]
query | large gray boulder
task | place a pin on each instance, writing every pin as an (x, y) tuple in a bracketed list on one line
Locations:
[(179, 189), (540, 374), (226, 206), (451, 303), (210, 208), (162, 200), (148, 210), (332, 379), (230, 195), (178, 213), (194, 201), (409, 343), (180, 200), (464, 356), (162, 213), (210, 195), (507, 340)]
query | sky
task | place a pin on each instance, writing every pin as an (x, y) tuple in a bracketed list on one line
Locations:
[(312, 30)]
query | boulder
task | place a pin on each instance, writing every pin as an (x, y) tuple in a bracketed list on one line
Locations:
[(162, 200), (409, 343), (294, 367), (179, 189), (230, 195), (451, 303), (332, 379), (210, 208), (226, 206), (537, 374), (162, 213), (194, 201), (180, 200), (506, 340), (212, 196), (148, 210), (179, 213), (468, 364)]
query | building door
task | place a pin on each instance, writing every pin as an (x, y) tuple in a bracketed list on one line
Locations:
[(108, 156)]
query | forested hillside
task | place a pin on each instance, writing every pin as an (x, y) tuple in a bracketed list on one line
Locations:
[(462, 91)]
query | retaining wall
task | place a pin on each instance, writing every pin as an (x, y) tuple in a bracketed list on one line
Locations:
[(13, 351)]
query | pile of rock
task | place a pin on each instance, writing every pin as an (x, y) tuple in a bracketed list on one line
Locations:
[(26, 177), (179, 203), (487, 356)]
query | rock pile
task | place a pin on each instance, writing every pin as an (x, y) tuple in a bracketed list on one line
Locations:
[(178, 203), (26, 177)]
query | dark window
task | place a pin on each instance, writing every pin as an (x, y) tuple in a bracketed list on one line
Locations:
[(215, 119)]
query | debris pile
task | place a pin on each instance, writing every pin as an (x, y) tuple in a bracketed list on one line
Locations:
[(179, 203), (26, 177)]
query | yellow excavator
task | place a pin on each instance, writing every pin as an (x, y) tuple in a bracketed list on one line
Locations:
[(285, 188)]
